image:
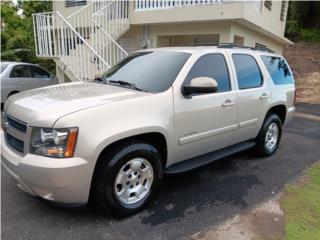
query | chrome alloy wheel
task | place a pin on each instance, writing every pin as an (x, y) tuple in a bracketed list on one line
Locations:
[(133, 181), (271, 138)]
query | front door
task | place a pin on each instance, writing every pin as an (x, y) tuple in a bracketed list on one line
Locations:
[(206, 122)]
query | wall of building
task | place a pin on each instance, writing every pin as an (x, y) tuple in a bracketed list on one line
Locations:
[(252, 37), (185, 34), (256, 14), (266, 19), (65, 11)]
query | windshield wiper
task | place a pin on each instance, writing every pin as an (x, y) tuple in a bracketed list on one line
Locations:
[(132, 85)]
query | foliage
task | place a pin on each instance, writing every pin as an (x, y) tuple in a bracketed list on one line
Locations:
[(17, 41), (303, 21), (310, 35), (301, 205)]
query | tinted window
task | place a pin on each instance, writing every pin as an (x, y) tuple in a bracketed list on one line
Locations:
[(151, 71), (3, 67), (21, 71), (37, 72), (248, 72), (278, 70), (213, 66)]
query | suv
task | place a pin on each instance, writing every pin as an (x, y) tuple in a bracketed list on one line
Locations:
[(159, 111)]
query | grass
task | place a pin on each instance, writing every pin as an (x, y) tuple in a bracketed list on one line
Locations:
[(301, 206)]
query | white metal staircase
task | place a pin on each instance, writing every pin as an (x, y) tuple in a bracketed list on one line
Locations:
[(86, 41)]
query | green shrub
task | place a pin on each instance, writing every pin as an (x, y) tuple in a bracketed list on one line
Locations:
[(310, 35)]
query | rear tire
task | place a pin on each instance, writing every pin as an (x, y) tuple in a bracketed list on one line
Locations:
[(269, 137), (126, 178)]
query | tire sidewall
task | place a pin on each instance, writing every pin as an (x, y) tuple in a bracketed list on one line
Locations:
[(126, 154), (273, 118)]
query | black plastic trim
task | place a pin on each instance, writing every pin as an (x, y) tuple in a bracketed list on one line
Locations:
[(196, 162)]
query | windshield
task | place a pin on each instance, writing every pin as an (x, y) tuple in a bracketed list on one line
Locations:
[(3, 66), (150, 71)]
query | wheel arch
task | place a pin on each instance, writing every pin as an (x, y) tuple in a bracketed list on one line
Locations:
[(12, 93), (156, 139), (280, 110)]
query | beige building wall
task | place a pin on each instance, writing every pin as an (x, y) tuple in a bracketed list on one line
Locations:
[(175, 35), (184, 34), (267, 19), (252, 37), (65, 11), (190, 29)]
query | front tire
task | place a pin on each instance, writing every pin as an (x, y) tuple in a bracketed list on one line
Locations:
[(269, 137), (126, 178)]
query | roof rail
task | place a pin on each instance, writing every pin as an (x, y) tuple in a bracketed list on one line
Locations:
[(232, 45)]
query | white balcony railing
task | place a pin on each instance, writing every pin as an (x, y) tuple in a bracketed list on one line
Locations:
[(86, 41), (56, 38), (147, 5), (143, 5)]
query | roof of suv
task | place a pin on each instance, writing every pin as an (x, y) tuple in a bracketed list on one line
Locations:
[(201, 48)]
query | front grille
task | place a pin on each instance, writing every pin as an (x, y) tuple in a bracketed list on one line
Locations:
[(20, 126), (14, 143)]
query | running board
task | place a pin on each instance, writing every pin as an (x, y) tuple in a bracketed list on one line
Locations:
[(207, 158)]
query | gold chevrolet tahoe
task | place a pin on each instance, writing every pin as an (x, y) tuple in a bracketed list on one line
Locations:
[(159, 111)]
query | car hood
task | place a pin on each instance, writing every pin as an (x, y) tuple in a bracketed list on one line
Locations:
[(43, 106)]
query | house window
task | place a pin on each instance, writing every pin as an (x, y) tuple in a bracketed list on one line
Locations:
[(237, 40), (268, 4), (259, 45), (75, 3), (188, 40), (283, 10)]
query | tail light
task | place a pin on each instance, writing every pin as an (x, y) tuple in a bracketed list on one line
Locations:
[(295, 97)]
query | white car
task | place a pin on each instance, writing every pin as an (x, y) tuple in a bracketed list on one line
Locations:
[(159, 111), (18, 76)]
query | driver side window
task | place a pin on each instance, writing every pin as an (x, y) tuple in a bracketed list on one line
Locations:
[(213, 66)]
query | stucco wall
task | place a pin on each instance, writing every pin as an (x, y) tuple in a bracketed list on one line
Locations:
[(226, 31), (251, 37)]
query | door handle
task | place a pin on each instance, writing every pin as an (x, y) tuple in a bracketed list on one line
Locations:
[(227, 103), (264, 96)]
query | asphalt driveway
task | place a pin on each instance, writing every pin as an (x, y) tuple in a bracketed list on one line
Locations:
[(185, 205)]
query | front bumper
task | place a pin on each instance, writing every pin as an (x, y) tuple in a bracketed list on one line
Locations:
[(65, 180)]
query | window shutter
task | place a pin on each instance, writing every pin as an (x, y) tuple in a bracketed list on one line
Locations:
[(74, 3), (268, 4)]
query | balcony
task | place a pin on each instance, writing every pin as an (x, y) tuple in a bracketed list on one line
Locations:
[(171, 11)]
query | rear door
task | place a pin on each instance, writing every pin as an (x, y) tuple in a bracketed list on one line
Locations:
[(253, 93)]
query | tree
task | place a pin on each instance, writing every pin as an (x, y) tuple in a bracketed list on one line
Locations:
[(17, 40), (303, 21)]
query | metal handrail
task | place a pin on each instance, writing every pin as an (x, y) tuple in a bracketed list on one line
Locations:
[(86, 38)]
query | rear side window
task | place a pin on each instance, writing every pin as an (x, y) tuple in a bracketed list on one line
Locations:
[(248, 72), (20, 71), (278, 70), (37, 72), (213, 66)]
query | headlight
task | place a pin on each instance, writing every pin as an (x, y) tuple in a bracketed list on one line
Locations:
[(53, 142)]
